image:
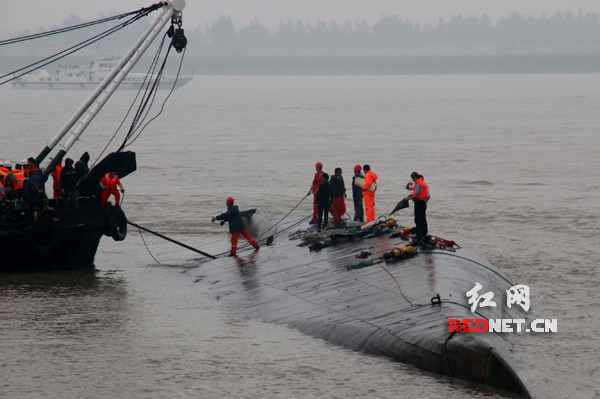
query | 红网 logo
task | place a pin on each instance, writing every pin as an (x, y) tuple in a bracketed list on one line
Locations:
[(515, 295)]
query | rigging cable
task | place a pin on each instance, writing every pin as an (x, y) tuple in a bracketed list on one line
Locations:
[(164, 102), (57, 56), (145, 10), (144, 87)]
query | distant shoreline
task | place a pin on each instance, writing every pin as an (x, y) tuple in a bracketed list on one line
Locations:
[(394, 65), (359, 64)]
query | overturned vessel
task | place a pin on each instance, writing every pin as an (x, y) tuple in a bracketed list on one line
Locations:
[(356, 293)]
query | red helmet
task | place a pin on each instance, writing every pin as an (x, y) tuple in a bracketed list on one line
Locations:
[(319, 165), (229, 200), (358, 167)]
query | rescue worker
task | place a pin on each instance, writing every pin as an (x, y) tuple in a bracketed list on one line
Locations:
[(369, 196), (30, 165), (31, 192), (109, 184), (324, 199), (81, 168), (2, 192), (236, 225), (420, 196), (56, 180), (338, 205), (41, 177), (313, 189), (357, 196), (68, 185), (19, 174), (11, 183)]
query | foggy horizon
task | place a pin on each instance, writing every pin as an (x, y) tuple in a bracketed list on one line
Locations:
[(271, 13)]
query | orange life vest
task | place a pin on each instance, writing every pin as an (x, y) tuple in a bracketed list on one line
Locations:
[(317, 181), (20, 175), (424, 191), (110, 184), (8, 183)]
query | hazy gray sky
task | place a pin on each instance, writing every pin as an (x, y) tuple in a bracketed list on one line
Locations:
[(20, 14)]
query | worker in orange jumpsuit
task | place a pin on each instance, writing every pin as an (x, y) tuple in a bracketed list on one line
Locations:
[(236, 225), (369, 196), (313, 189), (56, 180), (30, 165), (109, 184)]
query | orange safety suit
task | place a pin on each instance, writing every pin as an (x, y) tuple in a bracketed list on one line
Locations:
[(315, 185), (369, 196), (236, 236), (56, 182), (338, 208), (30, 168), (110, 188)]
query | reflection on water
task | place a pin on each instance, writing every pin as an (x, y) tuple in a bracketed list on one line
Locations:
[(248, 270), (81, 303)]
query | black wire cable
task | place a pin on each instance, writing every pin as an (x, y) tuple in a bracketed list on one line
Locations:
[(55, 57), (142, 87), (148, 249), (164, 102), (144, 108), (145, 10)]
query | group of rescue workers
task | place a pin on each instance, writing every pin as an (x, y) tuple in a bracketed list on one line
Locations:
[(25, 185), (329, 194)]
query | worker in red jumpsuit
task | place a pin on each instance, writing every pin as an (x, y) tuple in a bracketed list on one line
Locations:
[(368, 195), (236, 225), (338, 205), (56, 180), (109, 184), (313, 189)]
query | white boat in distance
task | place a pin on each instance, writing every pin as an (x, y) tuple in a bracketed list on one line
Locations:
[(71, 77)]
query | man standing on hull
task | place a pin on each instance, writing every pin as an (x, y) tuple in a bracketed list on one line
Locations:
[(357, 196), (420, 195), (338, 205), (369, 196), (313, 189), (236, 225)]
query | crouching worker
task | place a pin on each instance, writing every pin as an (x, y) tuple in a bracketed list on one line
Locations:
[(236, 225)]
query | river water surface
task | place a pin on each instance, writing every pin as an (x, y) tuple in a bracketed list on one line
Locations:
[(513, 168)]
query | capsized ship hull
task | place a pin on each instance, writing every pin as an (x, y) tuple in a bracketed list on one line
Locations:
[(385, 309)]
